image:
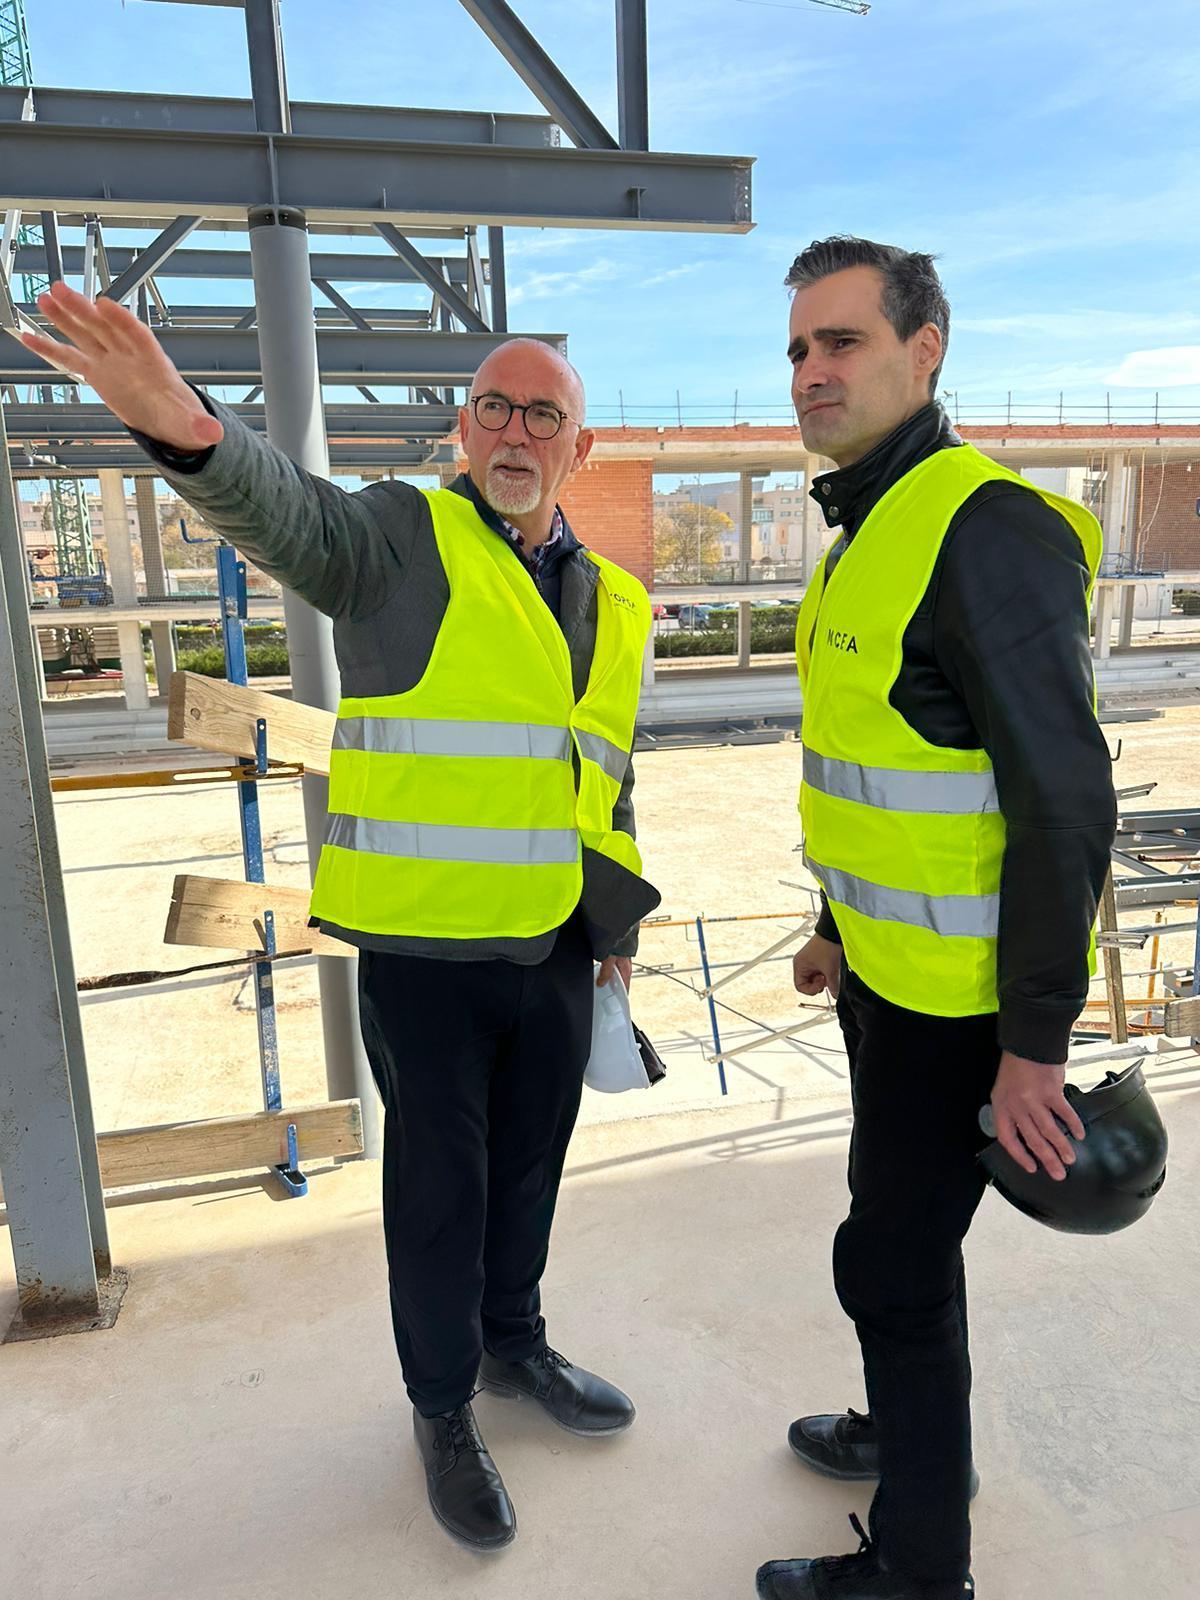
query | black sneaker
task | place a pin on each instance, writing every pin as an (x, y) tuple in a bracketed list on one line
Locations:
[(856, 1577), (845, 1446)]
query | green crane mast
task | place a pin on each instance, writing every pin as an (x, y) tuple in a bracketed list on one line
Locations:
[(72, 525)]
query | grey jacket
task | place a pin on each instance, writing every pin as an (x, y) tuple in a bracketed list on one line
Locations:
[(370, 561)]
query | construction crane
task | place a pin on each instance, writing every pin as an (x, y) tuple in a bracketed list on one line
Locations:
[(858, 7), (72, 524)]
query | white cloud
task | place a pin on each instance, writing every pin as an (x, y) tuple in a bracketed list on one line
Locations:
[(1168, 368), (671, 273), (554, 285), (542, 241), (1081, 324)]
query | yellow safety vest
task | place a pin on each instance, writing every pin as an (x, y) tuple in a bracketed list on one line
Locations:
[(905, 837), (453, 807)]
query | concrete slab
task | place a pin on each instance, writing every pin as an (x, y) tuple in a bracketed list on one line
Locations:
[(242, 1431)]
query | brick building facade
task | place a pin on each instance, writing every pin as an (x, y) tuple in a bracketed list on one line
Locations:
[(1166, 515)]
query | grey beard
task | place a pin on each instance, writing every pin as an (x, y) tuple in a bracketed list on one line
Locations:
[(511, 500)]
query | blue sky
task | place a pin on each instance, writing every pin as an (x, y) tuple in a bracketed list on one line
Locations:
[(1047, 150)]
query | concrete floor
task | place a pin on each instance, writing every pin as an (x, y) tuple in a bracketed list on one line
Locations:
[(242, 1434)]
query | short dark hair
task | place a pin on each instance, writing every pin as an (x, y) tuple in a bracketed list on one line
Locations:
[(912, 291)]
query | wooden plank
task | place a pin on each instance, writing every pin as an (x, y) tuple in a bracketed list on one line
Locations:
[(228, 1144), (1114, 978), (1181, 1019), (215, 715), (224, 914)]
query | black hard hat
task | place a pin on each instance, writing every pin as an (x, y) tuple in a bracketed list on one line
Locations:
[(1118, 1169)]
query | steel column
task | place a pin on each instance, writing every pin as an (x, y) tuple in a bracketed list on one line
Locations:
[(499, 278), (292, 394), (633, 93), (48, 1154)]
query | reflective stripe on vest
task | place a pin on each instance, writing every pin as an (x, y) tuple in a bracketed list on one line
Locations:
[(610, 758), (953, 916), (906, 836), (418, 736), (428, 841), (952, 794), (461, 808)]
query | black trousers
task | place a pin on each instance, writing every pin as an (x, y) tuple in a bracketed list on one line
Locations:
[(480, 1067), (917, 1083)]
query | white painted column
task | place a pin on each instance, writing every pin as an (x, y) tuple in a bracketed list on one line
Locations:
[(120, 572), (1125, 628), (1115, 495), (648, 659), (810, 538), (1105, 605), (162, 634)]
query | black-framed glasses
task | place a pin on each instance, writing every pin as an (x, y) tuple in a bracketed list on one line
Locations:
[(542, 420)]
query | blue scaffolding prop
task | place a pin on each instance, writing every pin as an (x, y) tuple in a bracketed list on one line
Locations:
[(712, 1009), (231, 588)]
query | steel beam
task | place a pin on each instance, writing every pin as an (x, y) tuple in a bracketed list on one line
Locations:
[(449, 296), (345, 356), (343, 305), (539, 74), (149, 113), (148, 261), (334, 267), (633, 93), (52, 461), (91, 423), (413, 186)]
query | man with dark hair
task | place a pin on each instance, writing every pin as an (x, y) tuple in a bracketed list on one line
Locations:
[(958, 813)]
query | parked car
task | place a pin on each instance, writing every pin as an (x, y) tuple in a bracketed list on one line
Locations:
[(695, 615)]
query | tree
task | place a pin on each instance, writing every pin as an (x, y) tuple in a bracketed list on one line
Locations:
[(687, 543)]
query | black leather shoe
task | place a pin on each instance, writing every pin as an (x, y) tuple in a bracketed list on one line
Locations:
[(466, 1492), (577, 1400), (856, 1577), (844, 1446)]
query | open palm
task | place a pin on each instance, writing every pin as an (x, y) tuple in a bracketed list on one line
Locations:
[(117, 356)]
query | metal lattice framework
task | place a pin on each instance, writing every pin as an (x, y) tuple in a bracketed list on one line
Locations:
[(81, 164)]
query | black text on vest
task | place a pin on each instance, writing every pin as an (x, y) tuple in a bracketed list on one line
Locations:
[(837, 640)]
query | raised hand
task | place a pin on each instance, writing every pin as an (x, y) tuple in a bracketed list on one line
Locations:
[(118, 356)]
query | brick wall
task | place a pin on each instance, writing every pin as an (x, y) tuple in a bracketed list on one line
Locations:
[(609, 504), (1173, 536)]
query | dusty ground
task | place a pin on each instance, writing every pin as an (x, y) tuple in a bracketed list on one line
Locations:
[(719, 833)]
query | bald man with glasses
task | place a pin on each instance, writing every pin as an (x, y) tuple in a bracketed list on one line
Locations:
[(480, 848)]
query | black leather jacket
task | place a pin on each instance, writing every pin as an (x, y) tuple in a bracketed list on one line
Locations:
[(996, 657)]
